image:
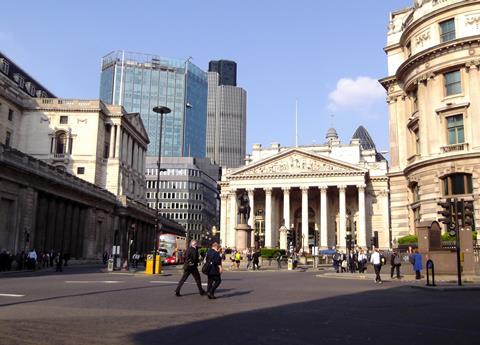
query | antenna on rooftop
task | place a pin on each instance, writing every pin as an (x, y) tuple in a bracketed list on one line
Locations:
[(296, 123)]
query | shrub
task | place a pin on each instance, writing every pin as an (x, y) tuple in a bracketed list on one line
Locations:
[(202, 251), (268, 253), (409, 239)]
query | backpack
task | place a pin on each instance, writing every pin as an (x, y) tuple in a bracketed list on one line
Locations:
[(397, 260)]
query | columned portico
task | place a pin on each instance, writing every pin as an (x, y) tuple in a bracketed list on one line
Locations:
[(251, 220), (286, 206), (305, 219), (362, 235), (300, 191), (343, 216), (323, 217), (268, 218)]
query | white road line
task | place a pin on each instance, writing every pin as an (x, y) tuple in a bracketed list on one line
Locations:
[(93, 281), (172, 282), (10, 295)]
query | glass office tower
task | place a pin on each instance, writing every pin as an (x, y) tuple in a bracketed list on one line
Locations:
[(140, 82)]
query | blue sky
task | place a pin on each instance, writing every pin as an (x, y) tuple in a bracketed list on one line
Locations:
[(326, 54)]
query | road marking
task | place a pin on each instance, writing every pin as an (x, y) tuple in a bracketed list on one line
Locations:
[(10, 295), (172, 282), (93, 281)]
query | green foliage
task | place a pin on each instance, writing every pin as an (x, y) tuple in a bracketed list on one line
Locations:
[(267, 253), (409, 239), (447, 238), (202, 251)]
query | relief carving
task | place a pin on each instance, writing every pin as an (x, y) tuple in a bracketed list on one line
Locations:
[(294, 164), (422, 38), (473, 20)]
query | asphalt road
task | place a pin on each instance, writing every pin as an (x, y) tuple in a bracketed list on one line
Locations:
[(85, 306)]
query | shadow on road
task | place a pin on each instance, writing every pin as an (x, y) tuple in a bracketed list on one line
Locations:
[(399, 315)]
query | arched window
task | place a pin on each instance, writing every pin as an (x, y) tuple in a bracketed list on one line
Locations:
[(60, 142), (457, 184)]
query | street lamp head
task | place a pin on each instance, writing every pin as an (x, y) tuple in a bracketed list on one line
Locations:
[(162, 110)]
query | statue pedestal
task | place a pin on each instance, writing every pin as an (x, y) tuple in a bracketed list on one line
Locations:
[(283, 238), (243, 236)]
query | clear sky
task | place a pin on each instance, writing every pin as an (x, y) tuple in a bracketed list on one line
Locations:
[(326, 54)]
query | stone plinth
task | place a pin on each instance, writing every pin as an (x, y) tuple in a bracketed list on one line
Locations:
[(243, 236)]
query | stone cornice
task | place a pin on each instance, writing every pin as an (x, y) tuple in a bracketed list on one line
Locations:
[(290, 176), (436, 160), (412, 25), (436, 51)]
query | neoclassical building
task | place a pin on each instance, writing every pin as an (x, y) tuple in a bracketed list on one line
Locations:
[(433, 88), (336, 189)]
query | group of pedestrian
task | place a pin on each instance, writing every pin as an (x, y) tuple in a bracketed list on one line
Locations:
[(212, 267), (353, 261), (31, 260)]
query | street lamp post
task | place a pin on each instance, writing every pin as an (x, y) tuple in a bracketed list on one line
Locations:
[(162, 110)]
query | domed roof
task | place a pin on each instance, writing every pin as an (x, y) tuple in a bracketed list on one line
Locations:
[(366, 141), (332, 134)]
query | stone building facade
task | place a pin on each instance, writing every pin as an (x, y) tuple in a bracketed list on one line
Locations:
[(71, 173), (433, 91), (336, 189)]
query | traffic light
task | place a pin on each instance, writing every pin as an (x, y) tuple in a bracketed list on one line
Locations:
[(467, 214), (317, 237), (446, 212)]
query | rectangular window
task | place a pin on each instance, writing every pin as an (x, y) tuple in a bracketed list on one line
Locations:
[(453, 83), (10, 115), (8, 139), (447, 30), (416, 133), (63, 120), (80, 170), (4, 66), (455, 130)]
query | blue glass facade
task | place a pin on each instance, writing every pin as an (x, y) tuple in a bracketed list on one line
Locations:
[(140, 82)]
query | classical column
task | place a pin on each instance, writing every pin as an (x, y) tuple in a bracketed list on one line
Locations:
[(323, 217), (286, 206), (361, 235), (305, 219), (268, 218), (251, 220), (233, 219), (343, 217), (474, 78), (223, 219)]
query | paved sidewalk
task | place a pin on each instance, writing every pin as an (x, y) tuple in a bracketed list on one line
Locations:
[(405, 278)]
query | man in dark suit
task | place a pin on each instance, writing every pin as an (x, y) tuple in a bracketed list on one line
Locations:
[(191, 267)]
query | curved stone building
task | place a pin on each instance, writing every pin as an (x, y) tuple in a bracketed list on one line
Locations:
[(433, 90)]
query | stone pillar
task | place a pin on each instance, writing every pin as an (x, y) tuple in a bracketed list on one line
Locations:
[(268, 218), (283, 237), (343, 217), (223, 219), (323, 217), (474, 117), (233, 219), (304, 238), (361, 235), (251, 220), (286, 206)]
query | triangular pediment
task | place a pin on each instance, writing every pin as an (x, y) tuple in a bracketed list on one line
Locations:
[(136, 122), (297, 162)]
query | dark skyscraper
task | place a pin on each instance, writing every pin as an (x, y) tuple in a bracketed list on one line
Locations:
[(227, 71)]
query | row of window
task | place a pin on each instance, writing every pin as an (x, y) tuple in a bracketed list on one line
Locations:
[(182, 216), (167, 195), (174, 172), (176, 205), (174, 185)]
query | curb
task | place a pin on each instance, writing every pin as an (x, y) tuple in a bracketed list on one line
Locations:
[(446, 288)]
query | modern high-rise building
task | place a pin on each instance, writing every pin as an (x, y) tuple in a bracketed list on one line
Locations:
[(226, 123), (227, 71), (140, 82), (188, 192)]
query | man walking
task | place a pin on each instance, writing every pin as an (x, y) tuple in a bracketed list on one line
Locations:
[(214, 271), (377, 265), (255, 257), (191, 267)]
